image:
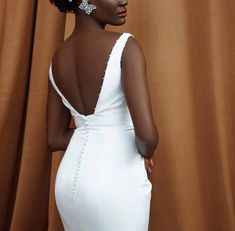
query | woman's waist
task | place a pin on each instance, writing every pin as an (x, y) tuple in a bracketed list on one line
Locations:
[(104, 134), (104, 120), (105, 127)]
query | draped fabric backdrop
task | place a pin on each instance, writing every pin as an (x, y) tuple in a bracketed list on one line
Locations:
[(190, 51)]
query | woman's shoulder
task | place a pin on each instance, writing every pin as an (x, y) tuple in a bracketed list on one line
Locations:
[(132, 46), (59, 55), (62, 53), (133, 51), (115, 35), (131, 43)]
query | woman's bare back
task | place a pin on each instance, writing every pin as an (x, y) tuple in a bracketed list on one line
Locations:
[(79, 66)]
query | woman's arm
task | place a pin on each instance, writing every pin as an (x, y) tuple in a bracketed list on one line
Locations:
[(58, 119), (134, 81)]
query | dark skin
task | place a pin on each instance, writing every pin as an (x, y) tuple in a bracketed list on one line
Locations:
[(78, 67)]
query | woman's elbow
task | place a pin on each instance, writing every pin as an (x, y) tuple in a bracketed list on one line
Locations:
[(155, 139), (50, 147), (148, 143), (152, 139), (51, 143)]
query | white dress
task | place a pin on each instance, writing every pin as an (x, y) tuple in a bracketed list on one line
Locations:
[(101, 183)]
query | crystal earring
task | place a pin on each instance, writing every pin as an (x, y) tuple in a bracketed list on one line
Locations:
[(88, 8)]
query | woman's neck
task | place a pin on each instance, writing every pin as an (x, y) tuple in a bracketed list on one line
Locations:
[(87, 23)]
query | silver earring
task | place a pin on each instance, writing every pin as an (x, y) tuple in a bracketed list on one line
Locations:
[(88, 8)]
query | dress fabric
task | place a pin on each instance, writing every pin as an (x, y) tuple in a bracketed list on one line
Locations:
[(101, 183)]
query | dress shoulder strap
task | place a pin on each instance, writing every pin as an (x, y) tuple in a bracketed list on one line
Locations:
[(64, 100), (121, 45)]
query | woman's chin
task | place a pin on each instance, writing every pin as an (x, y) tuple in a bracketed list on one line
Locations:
[(119, 22)]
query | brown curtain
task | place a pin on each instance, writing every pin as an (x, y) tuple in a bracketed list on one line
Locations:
[(190, 50), (29, 33)]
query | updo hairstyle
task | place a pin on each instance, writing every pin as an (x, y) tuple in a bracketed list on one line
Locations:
[(66, 6)]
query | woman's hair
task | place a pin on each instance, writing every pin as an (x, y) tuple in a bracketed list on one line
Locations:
[(65, 6)]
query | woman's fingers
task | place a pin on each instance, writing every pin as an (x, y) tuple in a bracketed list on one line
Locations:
[(148, 164), (149, 169)]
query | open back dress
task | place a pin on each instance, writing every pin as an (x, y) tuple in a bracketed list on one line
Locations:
[(101, 183)]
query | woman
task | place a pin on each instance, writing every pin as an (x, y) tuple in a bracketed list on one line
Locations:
[(99, 78)]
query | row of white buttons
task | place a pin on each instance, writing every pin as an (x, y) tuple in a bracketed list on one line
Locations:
[(81, 155)]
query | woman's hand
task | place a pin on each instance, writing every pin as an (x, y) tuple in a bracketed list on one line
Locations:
[(148, 164)]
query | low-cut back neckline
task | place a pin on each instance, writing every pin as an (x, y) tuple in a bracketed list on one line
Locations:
[(102, 84)]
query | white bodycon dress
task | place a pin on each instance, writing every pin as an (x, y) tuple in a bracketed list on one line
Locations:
[(101, 183)]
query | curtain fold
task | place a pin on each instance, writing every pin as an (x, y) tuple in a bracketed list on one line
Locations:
[(190, 52), (29, 33), (16, 35)]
